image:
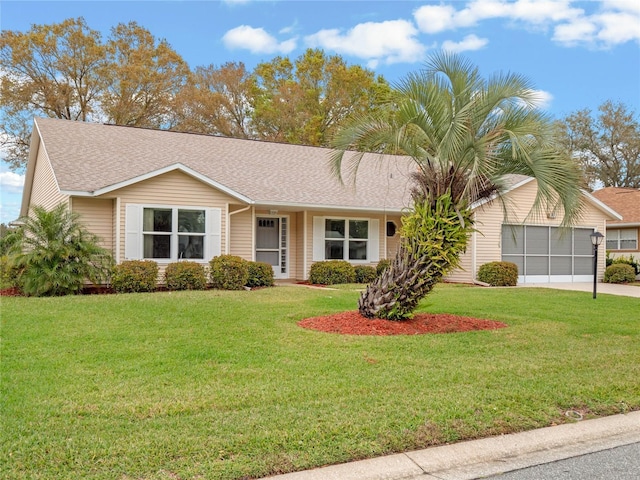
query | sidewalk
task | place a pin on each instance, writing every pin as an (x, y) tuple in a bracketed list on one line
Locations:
[(488, 456)]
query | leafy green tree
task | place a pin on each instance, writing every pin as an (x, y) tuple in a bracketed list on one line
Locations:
[(56, 254), (304, 101), (464, 134), (607, 145)]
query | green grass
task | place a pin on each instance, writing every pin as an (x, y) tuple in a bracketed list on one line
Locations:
[(225, 385)]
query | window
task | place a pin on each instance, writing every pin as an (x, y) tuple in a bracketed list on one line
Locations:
[(622, 239), (172, 233), (354, 240), (346, 239)]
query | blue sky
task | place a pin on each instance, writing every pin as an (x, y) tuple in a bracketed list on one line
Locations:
[(577, 53)]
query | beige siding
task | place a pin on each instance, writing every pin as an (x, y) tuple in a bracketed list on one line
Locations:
[(487, 241), (297, 237), (45, 191), (240, 240), (98, 216), (393, 243), (171, 189)]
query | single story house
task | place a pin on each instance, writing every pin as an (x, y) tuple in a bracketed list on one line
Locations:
[(167, 196), (622, 234)]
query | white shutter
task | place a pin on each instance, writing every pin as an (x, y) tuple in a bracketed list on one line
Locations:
[(318, 239), (133, 232), (373, 254), (214, 233)]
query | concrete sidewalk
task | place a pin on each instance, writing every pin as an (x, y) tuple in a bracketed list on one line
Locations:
[(488, 456), (607, 288)]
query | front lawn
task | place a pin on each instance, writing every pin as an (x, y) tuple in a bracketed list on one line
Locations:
[(225, 385)]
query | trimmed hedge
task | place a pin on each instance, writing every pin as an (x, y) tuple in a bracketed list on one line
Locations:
[(365, 273), (228, 272), (260, 275), (630, 260), (619, 273), (499, 274), (331, 272), (135, 276), (185, 275)]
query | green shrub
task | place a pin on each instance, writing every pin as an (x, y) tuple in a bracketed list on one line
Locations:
[(135, 276), (228, 272), (383, 265), (499, 274), (260, 275), (185, 275), (365, 273), (625, 261), (8, 273), (332, 272), (54, 254), (619, 273)]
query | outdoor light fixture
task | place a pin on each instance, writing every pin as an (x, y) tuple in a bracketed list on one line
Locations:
[(596, 240)]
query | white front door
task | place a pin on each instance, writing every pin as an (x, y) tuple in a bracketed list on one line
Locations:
[(271, 244)]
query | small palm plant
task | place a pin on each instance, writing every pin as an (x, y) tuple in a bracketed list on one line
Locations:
[(464, 135), (56, 254)]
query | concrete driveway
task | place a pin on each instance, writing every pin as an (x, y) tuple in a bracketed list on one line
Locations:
[(608, 288)]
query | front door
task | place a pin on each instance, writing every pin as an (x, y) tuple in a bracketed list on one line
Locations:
[(271, 244)]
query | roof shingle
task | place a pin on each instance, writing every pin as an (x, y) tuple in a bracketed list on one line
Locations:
[(625, 201)]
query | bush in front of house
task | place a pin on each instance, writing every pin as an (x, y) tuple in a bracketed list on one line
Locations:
[(365, 273), (499, 274), (619, 273), (383, 265), (331, 272), (228, 272), (630, 260), (134, 276), (260, 275), (185, 275)]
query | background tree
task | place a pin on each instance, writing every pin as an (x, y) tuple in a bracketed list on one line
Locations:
[(143, 76), (55, 254), (607, 145), (217, 101), (51, 70), (464, 134), (303, 101)]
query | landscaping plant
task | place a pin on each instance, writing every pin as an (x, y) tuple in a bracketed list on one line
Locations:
[(133, 276), (185, 275), (228, 272), (619, 273), (464, 134), (499, 274), (54, 254), (331, 272)]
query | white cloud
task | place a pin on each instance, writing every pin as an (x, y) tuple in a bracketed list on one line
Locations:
[(393, 41), (256, 40), (11, 182), (470, 42), (618, 21), (542, 99)]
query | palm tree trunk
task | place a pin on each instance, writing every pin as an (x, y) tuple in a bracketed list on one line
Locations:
[(434, 237)]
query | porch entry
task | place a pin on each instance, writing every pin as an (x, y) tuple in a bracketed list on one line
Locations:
[(272, 244)]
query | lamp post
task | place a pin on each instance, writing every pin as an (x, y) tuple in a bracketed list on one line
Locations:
[(596, 240)]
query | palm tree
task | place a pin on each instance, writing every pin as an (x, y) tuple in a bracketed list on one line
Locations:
[(55, 254), (464, 134)]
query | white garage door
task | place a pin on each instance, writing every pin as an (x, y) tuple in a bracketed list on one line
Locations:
[(548, 254)]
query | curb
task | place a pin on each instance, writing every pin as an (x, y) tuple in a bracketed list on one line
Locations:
[(488, 456)]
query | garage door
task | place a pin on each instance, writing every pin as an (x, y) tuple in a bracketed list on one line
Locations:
[(548, 254)]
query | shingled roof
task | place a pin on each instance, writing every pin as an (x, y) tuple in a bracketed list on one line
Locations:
[(89, 158), (625, 201)]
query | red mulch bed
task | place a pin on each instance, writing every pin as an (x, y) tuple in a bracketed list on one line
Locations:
[(352, 323)]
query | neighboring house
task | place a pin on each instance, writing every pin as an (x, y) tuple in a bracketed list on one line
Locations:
[(167, 196), (622, 234)]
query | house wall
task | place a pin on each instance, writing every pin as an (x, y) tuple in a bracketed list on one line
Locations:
[(98, 216), (486, 243), (171, 189), (45, 191), (626, 253), (241, 233), (393, 243)]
